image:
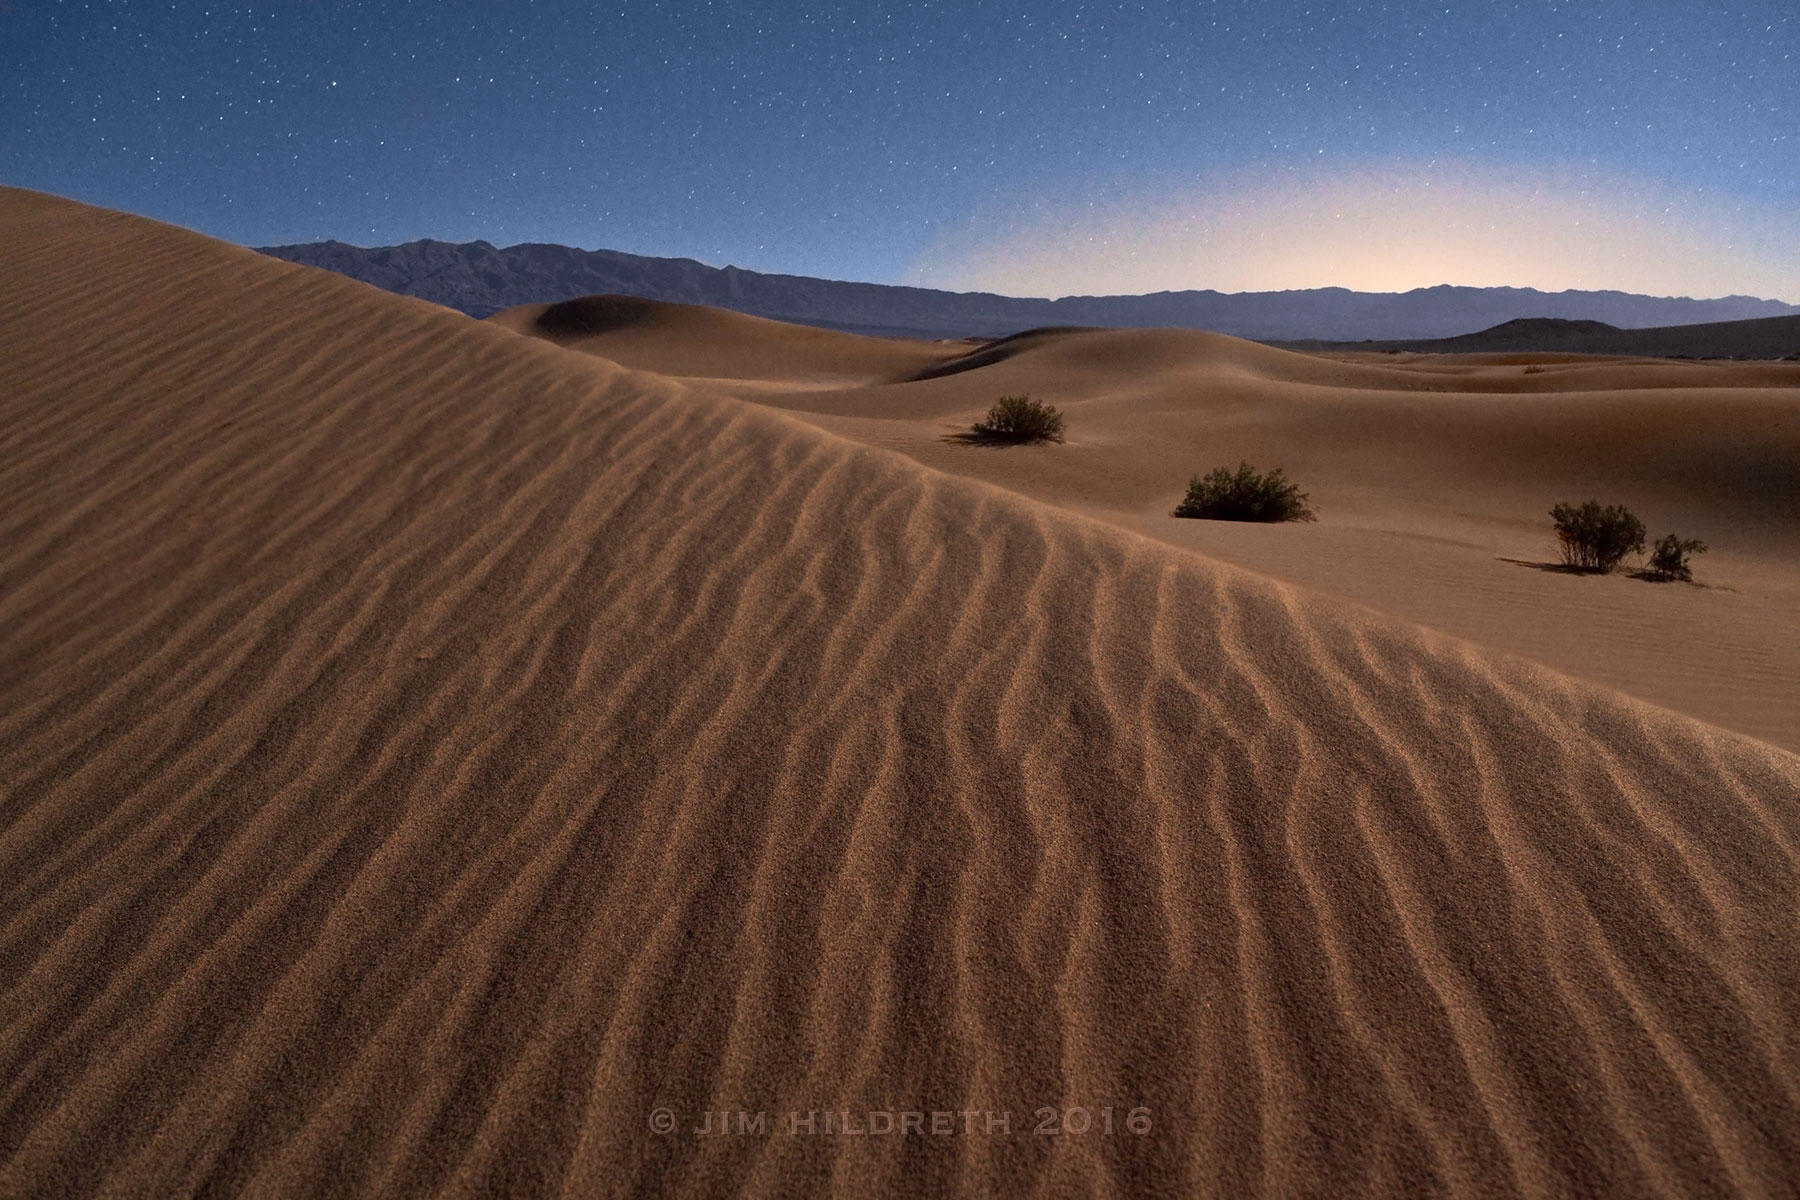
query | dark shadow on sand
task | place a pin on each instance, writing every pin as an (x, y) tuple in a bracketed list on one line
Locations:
[(1557, 568), (969, 437), (1554, 568)]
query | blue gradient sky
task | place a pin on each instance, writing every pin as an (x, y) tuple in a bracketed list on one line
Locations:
[(1054, 147)]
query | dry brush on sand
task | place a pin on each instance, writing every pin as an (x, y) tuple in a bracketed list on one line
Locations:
[(1244, 495), (1019, 420), (428, 753)]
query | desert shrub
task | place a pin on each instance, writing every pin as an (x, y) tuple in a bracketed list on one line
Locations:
[(1243, 495), (1596, 538), (1669, 559), (1020, 419)]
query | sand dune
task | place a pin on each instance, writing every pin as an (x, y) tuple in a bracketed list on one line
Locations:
[(1433, 477), (427, 753)]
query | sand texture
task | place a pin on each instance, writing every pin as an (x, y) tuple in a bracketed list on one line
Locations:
[(427, 752)]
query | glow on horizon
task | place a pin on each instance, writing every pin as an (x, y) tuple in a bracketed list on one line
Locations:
[(1387, 229)]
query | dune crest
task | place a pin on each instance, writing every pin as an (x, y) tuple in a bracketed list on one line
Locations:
[(428, 754)]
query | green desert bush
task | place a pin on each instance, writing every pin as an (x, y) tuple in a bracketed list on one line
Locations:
[(1019, 419), (1596, 538), (1243, 495), (1669, 559)]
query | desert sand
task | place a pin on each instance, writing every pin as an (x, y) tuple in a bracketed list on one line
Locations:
[(430, 754), (1433, 475)]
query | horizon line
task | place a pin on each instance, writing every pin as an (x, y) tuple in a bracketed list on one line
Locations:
[(1324, 287)]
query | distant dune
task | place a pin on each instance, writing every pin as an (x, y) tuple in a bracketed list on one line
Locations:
[(431, 756), (480, 279), (1767, 338)]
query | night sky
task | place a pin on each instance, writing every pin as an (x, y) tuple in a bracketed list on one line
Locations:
[(1054, 147)]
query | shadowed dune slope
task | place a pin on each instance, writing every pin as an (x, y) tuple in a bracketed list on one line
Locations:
[(426, 753)]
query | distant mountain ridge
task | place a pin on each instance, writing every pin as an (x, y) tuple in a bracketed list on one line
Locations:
[(481, 279)]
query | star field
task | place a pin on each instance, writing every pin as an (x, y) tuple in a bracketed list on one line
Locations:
[(849, 140)]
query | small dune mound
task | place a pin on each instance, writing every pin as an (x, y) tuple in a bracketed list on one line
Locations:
[(590, 316), (696, 342)]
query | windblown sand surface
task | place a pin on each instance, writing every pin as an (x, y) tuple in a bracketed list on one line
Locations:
[(1433, 477), (427, 753)]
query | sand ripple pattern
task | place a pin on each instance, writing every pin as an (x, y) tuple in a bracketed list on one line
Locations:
[(427, 753)]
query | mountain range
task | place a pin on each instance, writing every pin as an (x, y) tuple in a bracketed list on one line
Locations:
[(481, 279)]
